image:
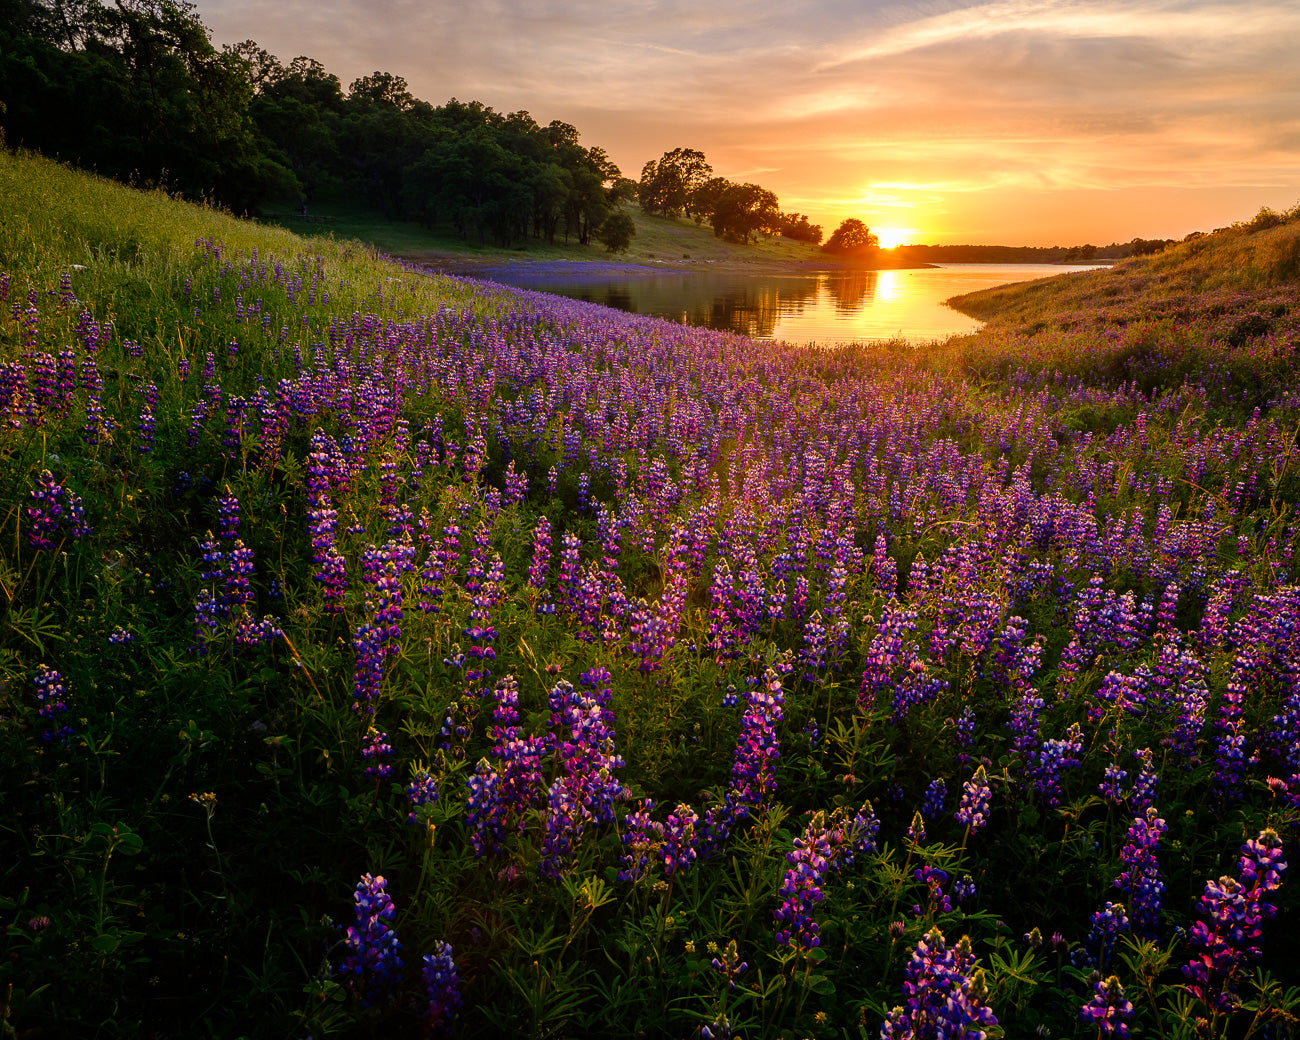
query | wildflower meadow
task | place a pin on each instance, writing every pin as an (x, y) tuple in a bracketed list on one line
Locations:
[(386, 654)]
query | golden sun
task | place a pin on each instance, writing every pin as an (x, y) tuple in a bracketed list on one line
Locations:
[(890, 237)]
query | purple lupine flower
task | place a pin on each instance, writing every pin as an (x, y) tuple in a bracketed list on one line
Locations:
[(238, 589), (376, 750), (421, 791), (641, 837), (718, 1029), (945, 992), (213, 559), (373, 964), (679, 848), (1111, 786), (540, 565), (915, 688), (1148, 780), (1106, 925), (30, 328), (516, 485), (1054, 758), (251, 632), (52, 707), (1141, 877), (522, 787), (368, 672), (889, 652), (884, 569), (207, 615), (753, 770), (448, 559), (801, 890), (227, 517), (441, 989), (563, 821), (145, 430), (333, 576), (972, 813), (825, 847), (44, 511), (388, 608), (483, 809), (1231, 741), (937, 901), (1109, 1010), (586, 791), (322, 522), (77, 525), (43, 373), (500, 798), (964, 735), (65, 382), (1234, 911)]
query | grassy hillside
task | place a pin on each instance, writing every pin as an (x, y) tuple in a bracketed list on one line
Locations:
[(1227, 303), (1242, 259), (659, 240)]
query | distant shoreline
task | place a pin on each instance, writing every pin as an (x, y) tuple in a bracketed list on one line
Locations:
[(476, 264)]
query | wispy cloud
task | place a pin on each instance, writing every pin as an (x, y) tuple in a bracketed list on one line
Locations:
[(1200, 24)]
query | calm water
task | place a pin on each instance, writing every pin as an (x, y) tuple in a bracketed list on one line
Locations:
[(817, 307)]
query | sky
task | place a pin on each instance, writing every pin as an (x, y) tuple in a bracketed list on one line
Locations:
[(1019, 122)]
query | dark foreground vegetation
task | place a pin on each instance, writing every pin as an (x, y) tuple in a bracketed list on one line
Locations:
[(390, 655)]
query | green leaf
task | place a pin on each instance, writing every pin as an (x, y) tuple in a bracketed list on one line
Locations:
[(128, 842), (106, 943)]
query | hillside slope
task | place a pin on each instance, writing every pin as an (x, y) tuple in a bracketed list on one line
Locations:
[(1228, 301)]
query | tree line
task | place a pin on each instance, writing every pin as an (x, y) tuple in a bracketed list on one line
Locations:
[(971, 254), (138, 92)]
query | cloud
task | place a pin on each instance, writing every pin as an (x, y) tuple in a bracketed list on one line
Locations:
[(1200, 24)]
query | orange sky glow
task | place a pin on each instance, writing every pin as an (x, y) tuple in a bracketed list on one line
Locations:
[(1021, 122)]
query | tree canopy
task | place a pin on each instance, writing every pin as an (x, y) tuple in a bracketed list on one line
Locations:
[(667, 187), (135, 90), (852, 236), (743, 209), (616, 233)]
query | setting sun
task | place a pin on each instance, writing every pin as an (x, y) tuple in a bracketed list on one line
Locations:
[(890, 237)]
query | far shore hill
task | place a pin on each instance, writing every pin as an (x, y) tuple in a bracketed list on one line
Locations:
[(661, 243)]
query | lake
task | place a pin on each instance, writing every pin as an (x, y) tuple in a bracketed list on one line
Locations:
[(827, 307)]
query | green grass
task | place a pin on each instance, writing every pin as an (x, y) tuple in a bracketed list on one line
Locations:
[(659, 240)]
